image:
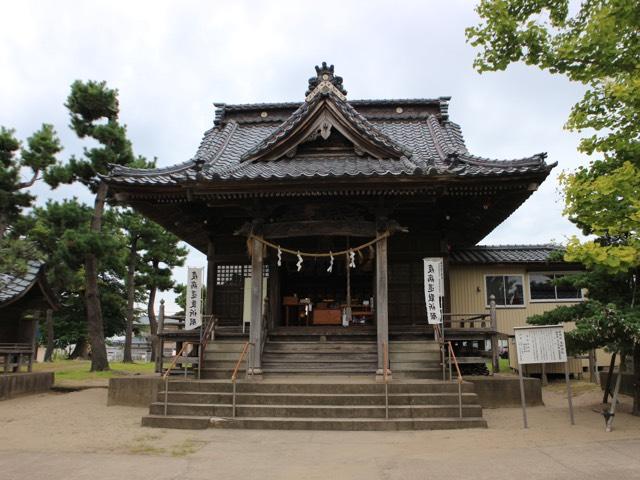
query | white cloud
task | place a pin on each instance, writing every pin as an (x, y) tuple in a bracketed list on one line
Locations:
[(171, 60)]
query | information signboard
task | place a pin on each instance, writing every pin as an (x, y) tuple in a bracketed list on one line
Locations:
[(540, 344), (193, 311), (434, 288)]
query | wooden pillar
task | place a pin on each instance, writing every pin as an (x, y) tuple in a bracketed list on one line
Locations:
[(255, 332), (382, 312), (495, 358), (275, 299), (211, 278)]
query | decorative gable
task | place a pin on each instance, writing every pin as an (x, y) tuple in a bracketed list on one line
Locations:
[(326, 120)]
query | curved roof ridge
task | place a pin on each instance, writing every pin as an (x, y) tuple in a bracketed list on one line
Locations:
[(359, 122), (537, 159)]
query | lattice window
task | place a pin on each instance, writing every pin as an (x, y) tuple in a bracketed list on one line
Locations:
[(235, 274)]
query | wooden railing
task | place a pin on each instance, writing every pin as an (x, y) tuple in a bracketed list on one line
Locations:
[(19, 350), (234, 375)]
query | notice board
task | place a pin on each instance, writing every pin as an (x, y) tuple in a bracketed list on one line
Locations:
[(540, 344)]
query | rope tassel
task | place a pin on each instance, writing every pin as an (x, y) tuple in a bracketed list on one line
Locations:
[(330, 269), (352, 259), (299, 263), (279, 256)]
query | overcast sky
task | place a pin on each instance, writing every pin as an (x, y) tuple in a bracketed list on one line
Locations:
[(172, 60)]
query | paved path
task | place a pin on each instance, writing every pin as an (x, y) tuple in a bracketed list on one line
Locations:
[(619, 459), (76, 436)]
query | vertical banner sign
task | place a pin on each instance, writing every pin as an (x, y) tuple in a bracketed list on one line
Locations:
[(434, 288), (193, 312)]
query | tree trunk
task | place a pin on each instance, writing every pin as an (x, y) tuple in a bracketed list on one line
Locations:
[(636, 380), (48, 354), (131, 287), (95, 324), (81, 350), (153, 323), (607, 388), (614, 399)]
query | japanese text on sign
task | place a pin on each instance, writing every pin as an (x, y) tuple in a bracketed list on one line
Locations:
[(193, 314), (543, 344), (433, 288)]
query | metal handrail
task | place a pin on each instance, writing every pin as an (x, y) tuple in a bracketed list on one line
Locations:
[(209, 327), (459, 375), (165, 375), (385, 376), (234, 375)]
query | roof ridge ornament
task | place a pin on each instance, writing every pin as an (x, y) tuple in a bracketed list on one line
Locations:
[(325, 81)]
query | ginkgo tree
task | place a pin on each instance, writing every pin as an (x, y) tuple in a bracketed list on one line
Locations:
[(595, 43)]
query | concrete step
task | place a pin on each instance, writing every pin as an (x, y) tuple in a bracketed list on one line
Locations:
[(361, 424), (353, 424), (317, 399), (224, 385), (220, 373), (316, 411), (318, 370), (176, 421)]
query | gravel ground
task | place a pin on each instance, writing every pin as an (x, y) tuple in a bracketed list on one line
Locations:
[(75, 434)]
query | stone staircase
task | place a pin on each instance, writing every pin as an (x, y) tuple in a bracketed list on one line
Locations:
[(319, 357), (316, 405)]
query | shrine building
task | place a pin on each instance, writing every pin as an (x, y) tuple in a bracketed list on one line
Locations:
[(336, 203)]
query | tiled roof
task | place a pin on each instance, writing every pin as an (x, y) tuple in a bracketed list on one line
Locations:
[(417, 133), (12, 286), (504, 254)]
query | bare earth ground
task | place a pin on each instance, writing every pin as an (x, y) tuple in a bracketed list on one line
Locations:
[(75, 436)]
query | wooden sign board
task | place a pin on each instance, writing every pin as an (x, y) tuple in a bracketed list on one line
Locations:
[(540, 344), (193, 312), (434, 288)]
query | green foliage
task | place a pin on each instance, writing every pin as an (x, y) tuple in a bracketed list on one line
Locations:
[(161, 254), (37, 158), (598, 46), (61, 231), (94, 109)]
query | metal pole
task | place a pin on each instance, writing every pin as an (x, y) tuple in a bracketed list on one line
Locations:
[(233, 408), (522, 399), (386, 400), (444, 365), (166, 394), (449, 355), (566, 376), (460, 397)]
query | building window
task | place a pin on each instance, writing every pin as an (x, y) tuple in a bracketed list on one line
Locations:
[(543, 287), (507, 289)]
